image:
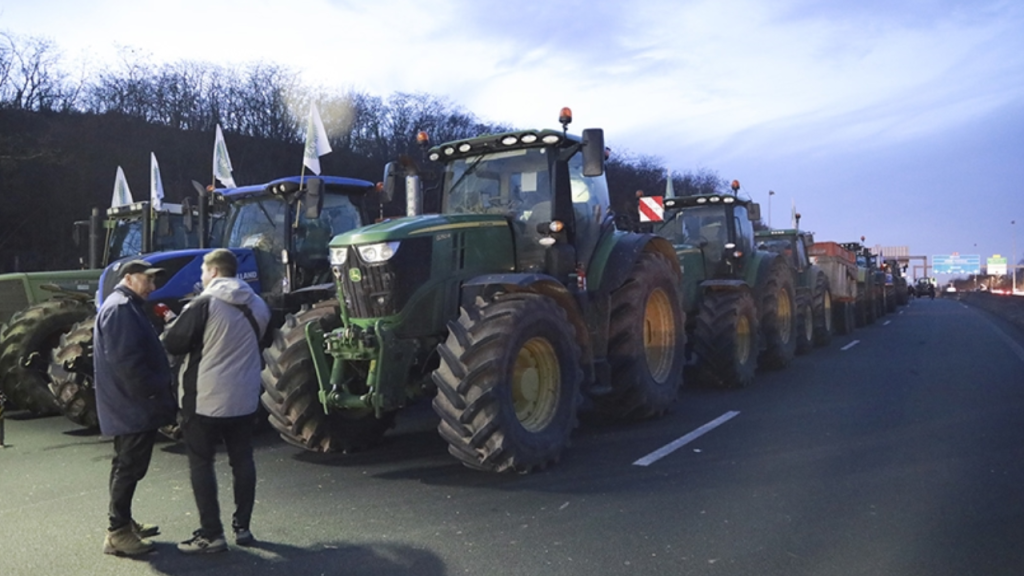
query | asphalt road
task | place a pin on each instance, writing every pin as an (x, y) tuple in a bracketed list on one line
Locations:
[(896, 450)]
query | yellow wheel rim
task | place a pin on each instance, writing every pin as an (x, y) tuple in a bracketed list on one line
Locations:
[(743, 336), (827, 306), (785, 316), (536, 380), (659, 335)]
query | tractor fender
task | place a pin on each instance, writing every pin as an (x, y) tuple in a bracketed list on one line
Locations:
[(615, 255), (490, 284)]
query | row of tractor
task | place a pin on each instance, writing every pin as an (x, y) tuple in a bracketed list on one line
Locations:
[(518, 307)]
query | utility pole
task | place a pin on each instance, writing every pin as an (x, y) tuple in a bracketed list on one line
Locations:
[(1013, 263), (770, 194)]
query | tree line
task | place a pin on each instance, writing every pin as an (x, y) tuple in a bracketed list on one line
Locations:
[(62, 136)]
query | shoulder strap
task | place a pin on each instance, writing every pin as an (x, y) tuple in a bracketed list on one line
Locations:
[(252, 320)]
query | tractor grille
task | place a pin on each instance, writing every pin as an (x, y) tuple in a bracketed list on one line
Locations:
[(383, 289), (12, 298)]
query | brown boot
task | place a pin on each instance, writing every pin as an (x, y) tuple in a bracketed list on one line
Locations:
[(124, 541)]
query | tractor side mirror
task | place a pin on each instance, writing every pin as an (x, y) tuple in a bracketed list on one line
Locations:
[(391, 175), (593, 152), (314, 198), (754, 211)]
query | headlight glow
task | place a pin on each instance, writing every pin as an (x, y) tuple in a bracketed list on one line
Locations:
[(338, 256), (381, 252)]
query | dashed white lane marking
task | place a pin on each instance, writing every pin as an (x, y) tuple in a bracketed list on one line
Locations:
[(887, 322), (850, 345), (684, 440)]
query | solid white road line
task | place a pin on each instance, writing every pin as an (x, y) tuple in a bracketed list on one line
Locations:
[(677, 444), (850, 345)]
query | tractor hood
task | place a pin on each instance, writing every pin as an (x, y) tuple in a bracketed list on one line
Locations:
[(416, 227), (183, 270)]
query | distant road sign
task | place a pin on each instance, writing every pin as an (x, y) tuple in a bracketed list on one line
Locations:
[(956, 264), (996, 265)]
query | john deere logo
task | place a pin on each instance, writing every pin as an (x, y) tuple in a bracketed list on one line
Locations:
[(355, 275)]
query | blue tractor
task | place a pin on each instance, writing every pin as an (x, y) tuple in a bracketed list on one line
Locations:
[(280, 233)]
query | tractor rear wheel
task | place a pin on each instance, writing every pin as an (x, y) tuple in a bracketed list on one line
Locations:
[(822, 311), (778, 316), (71, 379), (508, 383), (26, 343), (646, 350), (844, 317), (725, 339), (291, 392)]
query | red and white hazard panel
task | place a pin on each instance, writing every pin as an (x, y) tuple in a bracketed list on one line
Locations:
[(652, 208)]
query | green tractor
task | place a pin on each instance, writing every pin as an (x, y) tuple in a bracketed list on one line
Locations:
[(870, 285), (512, 307), (740, 301), (813, 292), (44, 305)]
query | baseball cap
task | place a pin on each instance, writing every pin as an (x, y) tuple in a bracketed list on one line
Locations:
[(139, 267)]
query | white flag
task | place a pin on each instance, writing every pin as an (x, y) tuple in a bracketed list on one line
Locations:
[(122, 195), (669, 191), (222, 162), (156, 184), (316, 141)]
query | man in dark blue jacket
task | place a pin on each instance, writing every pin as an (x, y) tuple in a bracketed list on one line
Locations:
[(134, 397)]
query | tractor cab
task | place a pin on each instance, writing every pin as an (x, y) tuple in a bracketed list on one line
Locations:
[(288, 224), (720, 226)]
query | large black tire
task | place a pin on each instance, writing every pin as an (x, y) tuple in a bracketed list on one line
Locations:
[(26, 343), (804, 325), (844, 316), (646, 342), (822, 311), (890, 299), (725, 339), (778, 318), (291, 392), (71, 374), (508, 384)]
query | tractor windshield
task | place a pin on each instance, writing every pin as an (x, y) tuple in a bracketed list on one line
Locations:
[(168, 233), (515, 183), (701, 224)]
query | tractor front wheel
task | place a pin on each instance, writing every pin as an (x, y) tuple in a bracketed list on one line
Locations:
[(646, 343), (291, 392), (71, 375), (778, 316), (508, 383), (822, 311), (725, 339)]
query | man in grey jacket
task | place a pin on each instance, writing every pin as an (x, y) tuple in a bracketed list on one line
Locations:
[(219, 390)]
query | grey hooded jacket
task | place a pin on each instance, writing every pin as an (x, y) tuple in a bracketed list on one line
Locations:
[(220, 376)]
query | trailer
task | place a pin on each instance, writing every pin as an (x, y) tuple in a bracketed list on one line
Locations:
[(840, 265)]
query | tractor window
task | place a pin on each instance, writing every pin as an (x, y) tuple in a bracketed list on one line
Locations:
[(513, 183), (589, 201), (259, 224), (124, 239), (338, 216)]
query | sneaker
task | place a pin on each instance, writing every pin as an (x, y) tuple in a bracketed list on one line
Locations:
[(125, 542), (243, 537), (145, 530), (199, 544)]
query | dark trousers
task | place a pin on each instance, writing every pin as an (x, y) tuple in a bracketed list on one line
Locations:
[(132, 453), (201, 435)]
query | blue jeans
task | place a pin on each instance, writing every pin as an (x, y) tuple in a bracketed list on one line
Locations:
[(201, 435)]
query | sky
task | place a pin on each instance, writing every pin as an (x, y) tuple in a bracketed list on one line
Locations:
[(901, 121)]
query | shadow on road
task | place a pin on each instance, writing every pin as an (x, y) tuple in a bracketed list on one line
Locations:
[(329, 559)]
